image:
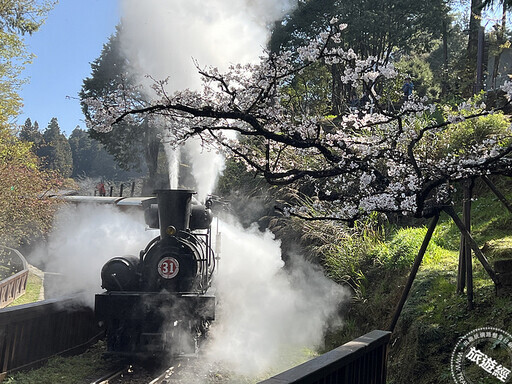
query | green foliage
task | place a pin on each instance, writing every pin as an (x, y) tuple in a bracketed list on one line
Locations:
[(90, 159), (342, 251), (422, 76), (447, 59), (381, 29), (32, 291), (401, 249), (23, 16), (55, 151), (77, 369), (13, 60), (17, 17), (375, 27), (461, 138), (30, 133), (24, 213), (435, 315), (79, 156), (133, 146), (489, 222), (302, 24), (467, 137), (309, 92), (237, 179)]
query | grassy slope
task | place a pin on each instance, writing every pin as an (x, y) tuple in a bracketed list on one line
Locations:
[(80, 369), (434, 315)]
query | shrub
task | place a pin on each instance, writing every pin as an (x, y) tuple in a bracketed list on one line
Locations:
[(25, 213)]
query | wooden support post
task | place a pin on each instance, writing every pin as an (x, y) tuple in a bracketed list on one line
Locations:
[(466, 219), (461, 271), (414, 271), (472, 243), (465, 268), (111, 191), (121, 190), (498, 194), (133, 189)]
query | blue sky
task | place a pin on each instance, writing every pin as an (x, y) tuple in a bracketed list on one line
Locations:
[(72, 37)]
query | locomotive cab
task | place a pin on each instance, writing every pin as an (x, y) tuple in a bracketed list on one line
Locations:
[(152, 300)]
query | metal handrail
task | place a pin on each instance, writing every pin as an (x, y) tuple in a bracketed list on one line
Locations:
[(360, 361)]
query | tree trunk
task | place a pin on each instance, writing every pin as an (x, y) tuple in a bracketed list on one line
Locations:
[(337, 90), (466, 269), (500, 40), (444, 84), (151, 152), (472, 49)]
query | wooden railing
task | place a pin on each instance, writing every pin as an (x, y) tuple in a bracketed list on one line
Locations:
[(31, 333), (360, 361), (15, 285)]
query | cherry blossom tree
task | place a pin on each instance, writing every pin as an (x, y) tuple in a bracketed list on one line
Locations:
[(370, 159)]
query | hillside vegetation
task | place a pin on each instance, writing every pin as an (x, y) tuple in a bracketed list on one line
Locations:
[(435, 315)]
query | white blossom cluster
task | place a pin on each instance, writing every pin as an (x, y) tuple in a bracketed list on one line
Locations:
[(507, 88), (368, 159)]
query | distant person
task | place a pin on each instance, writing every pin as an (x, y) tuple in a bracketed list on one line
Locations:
[(101, 189), (407, 88)]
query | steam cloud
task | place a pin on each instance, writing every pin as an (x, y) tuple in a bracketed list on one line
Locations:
[(162, 38), (83, 239), (265, 311), (264, 314)]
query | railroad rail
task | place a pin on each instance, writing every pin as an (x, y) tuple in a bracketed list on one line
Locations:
[(14, 286), (109, 377), (135, 374)]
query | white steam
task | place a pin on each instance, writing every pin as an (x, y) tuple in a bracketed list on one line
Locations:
[(83, 239), (264, 313), (173, 160), (162, 38), (207, 164), (263, 310)]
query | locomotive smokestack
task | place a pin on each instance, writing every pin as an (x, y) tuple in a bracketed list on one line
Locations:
[(174, 209)]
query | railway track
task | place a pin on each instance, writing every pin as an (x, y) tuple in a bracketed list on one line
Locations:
[(111, 375), (133, 374)]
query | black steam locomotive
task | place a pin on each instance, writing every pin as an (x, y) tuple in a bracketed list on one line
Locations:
[(157, 302)]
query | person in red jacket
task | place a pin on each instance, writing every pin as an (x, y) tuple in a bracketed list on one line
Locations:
[(101, 189)]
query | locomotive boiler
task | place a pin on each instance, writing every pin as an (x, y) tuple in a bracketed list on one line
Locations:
[(157, 302)]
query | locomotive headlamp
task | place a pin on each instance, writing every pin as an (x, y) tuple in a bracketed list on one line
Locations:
[(170, 230)]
